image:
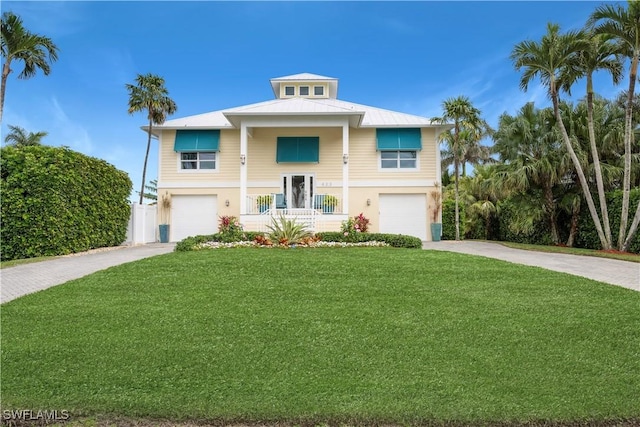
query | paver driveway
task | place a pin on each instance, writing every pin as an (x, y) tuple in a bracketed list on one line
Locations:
[(28, 278), (615, 272)]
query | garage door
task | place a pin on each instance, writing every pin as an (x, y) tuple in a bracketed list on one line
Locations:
[(404, 214), (193, 215)]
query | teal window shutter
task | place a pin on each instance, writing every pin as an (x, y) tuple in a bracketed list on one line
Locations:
[(408, 139), (197, 140), (303, 149)]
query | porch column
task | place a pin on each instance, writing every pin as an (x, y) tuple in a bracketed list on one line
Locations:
[(437, 153), (243, 169), (345, 168)]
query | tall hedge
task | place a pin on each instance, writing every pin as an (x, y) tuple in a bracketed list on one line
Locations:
[(449, 219), (587, 234), (56, 201)]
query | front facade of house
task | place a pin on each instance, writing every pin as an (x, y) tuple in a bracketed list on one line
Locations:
[(305, 154)]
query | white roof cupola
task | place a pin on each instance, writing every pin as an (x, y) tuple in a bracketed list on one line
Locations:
[(305, 85)]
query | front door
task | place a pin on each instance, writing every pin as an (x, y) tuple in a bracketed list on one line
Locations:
[(298, 190)]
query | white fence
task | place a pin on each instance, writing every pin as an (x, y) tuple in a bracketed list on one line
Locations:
[(142, 226)]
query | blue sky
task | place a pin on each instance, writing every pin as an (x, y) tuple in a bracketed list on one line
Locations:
[(402, 56)]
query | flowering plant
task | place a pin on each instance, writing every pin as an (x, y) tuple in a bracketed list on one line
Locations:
[(357, 224), (230, 228)]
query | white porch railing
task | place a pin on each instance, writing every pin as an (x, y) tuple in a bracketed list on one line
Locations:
[(275, 203), (325, 213)]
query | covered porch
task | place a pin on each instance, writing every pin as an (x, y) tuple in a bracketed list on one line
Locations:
[(318, 212)]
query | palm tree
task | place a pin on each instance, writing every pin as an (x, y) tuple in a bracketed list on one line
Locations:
[(17, 43), (556, 61), (624, 26), (482, 193), (18, 137), (601, 54), (472, 151), (151, 191), (467, 125), (150, 95), (532, 154)]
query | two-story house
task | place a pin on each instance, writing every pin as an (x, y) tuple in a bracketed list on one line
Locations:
[(306, 154)]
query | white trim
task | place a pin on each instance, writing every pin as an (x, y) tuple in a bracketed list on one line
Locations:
[(316, 120), (318, 184), (394, 184), (198, 171), (345, 167), (308, 191), (243, 168), (439, 130), (210, 184), (399, 169)]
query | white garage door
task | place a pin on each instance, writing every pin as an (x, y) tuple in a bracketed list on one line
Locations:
[(404, 214), (193, 215)]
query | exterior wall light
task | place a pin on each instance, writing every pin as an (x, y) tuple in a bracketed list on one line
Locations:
[(243, 159), (226, 203), (368, 202), (345, 158)]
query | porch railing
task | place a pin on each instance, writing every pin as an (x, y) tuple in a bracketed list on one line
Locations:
[(275, 204)]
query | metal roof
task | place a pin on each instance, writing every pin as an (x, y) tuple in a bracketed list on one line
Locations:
[(359, 115), (303, 76)]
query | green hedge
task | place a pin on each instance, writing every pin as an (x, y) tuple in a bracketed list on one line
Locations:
[(56, 201), (539, 235), (188, 243), (395, 240), (449, 219), (587, 235)]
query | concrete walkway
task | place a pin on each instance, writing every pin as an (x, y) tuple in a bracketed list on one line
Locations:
[(621, 273), (28, 278)]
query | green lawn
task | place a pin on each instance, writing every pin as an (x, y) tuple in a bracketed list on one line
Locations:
[(358, 335), (622, 256)]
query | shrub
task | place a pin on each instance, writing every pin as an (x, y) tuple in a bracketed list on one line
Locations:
[(587, 234), (230, 229), (56, 201), (190, 243), (449, 219), (538, 230), (287, 231), (354, 226), (395, 240)]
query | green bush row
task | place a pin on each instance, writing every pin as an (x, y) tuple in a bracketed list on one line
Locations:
[(540, 233), (189, 243), (587, 234), (56, 201), (395, 240)]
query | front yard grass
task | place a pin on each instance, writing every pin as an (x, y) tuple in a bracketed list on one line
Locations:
[(622, 256), (352, 335)]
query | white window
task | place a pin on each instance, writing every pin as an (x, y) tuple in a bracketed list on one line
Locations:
[(289, 90), (304, 90), (318, 90), (398, 159), (198, 160)]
